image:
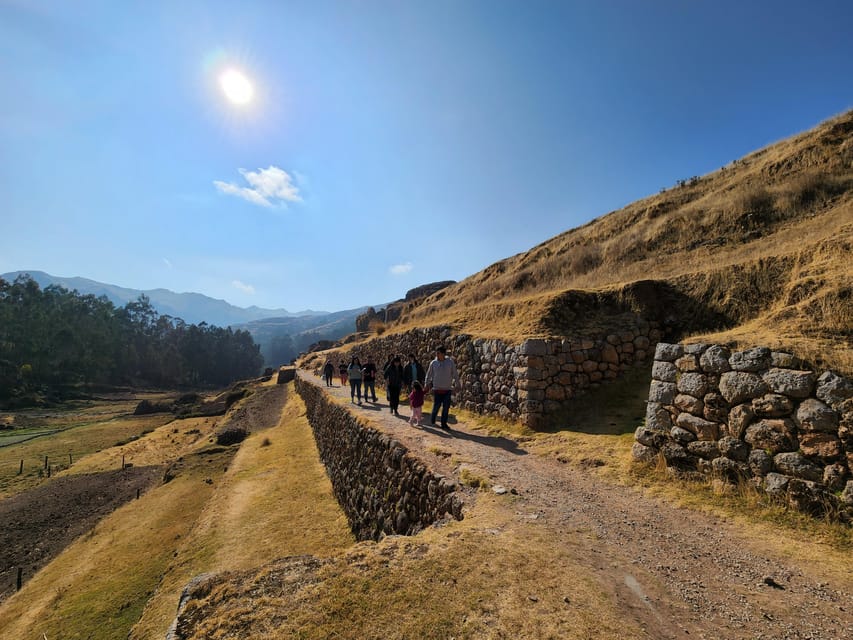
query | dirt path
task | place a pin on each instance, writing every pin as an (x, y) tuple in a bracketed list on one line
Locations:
[(679, 572)]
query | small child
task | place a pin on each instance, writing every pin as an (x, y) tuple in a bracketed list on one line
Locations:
[(416, 401)]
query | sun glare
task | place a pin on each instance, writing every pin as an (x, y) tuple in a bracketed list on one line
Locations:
[(236, 87)]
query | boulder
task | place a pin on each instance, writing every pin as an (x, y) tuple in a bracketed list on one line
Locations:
[(693, 384), (833, 389), (740, 417), (682, 436), (662, 392), (657, 417), (809, 497), (776, 485), (703, 429), (794, 384), (706, 449), (774, 435), (797, 465), (715, 409), (664, 371), (687, 363), (772, 405), (644, 454), (754, 359), (760, 462), (817, 445), (727, 469), (689, 404), (733, 448), (834, 476), (715, 359), (738, 386), (649, 437), (668, 352), (814, 415)]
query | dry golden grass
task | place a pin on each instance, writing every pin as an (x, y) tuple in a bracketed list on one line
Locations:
[(766, 239)]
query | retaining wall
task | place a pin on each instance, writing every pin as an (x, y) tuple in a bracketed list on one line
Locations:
[(754, 414), (381, 486), (529, 382)]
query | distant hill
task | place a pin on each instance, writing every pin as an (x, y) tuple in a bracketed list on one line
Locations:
[(190, 307)]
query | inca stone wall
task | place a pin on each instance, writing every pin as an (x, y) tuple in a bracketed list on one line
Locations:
[(382, 488), (530, 382), (754, 414)]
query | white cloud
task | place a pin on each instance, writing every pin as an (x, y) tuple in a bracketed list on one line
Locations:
[(242, 286), (401, 269), (167, 262), (267, 187)]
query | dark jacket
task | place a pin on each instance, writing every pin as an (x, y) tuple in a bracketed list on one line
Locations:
[(394, 375), (369, 371), (407, 373)]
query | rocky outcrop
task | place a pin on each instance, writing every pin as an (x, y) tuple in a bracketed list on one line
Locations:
[(393, 310), (381, 486), (753, 415)]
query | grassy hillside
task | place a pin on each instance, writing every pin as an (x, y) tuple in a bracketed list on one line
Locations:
[(756, 252)]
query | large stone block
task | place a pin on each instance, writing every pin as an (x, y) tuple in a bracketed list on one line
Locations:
[(657, 417), (689, 404), (738, 386), (715, 359), (833, 389), (534, 347), (693, 384), (644, 454), (740, 417), (821, 446), (752, 360), (794, 384), (773, 435), (796, 465), (814, 415), (668, 352), (772, 405), (703, 429), (662, 392), (688, 363)]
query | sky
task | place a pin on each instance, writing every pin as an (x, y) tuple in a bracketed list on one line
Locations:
[(329, 155)]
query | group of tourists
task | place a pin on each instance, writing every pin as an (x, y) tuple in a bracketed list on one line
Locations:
[(441, 378)]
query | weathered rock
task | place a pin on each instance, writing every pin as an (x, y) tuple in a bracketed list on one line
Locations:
[(642, 453), (740, 417), (833, 389), (716, 408), (738, 386), (703, 429), (687, 363), (818, 445), (754, 359), (704, 449), (668, 352), (776, 485), (664, 371), (689, 404), (649, 437), (847, 494), (727, 469), (675, 454), (796, 465), (733, 448), (814, 415), (774, 435), (682, 436), (809, 497), (715, 359), (693, 384), (783, 360), (834, 476), (657, 417), (760, 462), (662, 392), (772, 405), (794, 384), (696, 349)]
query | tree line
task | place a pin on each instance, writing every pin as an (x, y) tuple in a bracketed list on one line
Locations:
[(53, 338)]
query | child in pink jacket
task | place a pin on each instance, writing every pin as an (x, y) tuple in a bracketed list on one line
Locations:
[(416, 401)]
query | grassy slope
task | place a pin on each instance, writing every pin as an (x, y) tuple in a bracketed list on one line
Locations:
[(766, 239)]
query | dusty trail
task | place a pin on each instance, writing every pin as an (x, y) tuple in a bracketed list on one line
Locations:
[(678, 572)]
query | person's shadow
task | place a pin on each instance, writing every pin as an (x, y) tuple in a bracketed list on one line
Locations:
[(500, 442)]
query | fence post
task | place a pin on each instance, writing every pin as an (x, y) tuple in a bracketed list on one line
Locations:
[(20, 577), (69, 460), (45, 462), (21, 470), (122, 461)]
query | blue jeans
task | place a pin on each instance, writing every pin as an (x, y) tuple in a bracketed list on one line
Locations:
[(355, 388), (440, 399)]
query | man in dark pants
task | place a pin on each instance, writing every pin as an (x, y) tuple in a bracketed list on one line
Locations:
[(394, 380), (442, 379), (368, 374), (413, 371)]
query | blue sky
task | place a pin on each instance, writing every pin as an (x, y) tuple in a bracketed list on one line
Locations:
[(387, 144)]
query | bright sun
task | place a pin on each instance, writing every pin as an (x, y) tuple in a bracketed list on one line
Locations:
[(236, 87)]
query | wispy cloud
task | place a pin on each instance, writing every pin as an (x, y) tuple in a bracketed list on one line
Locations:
[(401, 269), (242, 286), (167, 262), (267, 187)]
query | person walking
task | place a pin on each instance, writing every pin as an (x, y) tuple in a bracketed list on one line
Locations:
[(354, 375), (328, 372), (342, 370), (394, 383), (413, 370), (416, 402), (442, 379), (368, 375)]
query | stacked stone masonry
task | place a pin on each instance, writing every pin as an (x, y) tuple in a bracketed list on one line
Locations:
[(756, 415), (529, 382), (380, 485)]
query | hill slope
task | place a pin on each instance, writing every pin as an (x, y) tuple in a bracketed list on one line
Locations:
[(758, 251)]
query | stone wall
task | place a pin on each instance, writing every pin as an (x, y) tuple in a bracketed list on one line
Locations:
[(754, 414), (382, 488), (529, 382)]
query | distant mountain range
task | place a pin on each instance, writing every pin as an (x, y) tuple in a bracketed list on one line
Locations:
[(192, 308), (282, 335)]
